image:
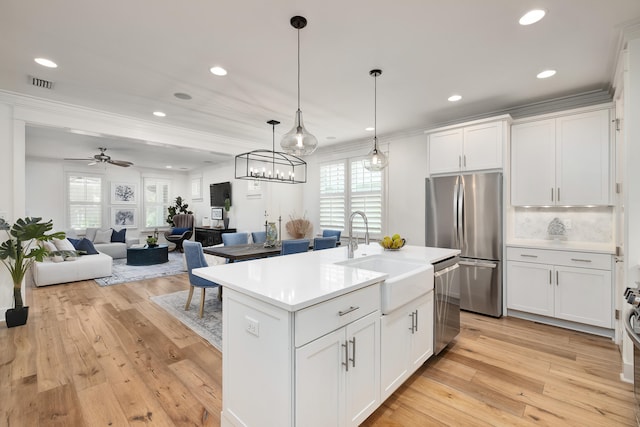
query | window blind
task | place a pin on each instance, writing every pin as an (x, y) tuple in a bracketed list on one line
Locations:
[(84, 201), (156, 202)]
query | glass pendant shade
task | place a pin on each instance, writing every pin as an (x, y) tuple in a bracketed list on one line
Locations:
[(298, 141), (376, 160)]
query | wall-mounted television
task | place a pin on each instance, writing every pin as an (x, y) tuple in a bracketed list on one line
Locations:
[(219, 192)]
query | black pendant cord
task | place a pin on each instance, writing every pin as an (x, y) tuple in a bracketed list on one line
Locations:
[(298, 69), (375, 113)]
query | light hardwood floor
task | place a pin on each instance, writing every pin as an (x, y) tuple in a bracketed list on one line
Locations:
[(92, 356)]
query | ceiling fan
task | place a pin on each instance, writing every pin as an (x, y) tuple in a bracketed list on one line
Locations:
[(103, 158)]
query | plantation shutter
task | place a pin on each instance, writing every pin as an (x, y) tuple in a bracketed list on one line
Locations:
[(332, 195), (156, 202), (84, 201), (366, 196)]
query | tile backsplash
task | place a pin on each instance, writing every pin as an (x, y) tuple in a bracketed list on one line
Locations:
[(581, 224)]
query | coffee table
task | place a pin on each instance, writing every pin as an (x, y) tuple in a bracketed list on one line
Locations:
[(148, 256)]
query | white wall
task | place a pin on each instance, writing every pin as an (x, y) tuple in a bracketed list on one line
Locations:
[(404, 182), (248, 210), (46, 180)]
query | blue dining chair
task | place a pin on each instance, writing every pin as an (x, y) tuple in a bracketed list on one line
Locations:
[(195, 259), (294, 246), (324, 243), (330, 233), (230, 239), (259, 236)]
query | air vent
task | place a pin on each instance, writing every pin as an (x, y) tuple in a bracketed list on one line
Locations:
[(46, 84)]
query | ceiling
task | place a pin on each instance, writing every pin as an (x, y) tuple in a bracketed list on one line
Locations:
[(130, 58)]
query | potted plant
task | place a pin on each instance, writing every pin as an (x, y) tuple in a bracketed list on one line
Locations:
[(18, 253), (227, 207), (179, 208), (152, 241)]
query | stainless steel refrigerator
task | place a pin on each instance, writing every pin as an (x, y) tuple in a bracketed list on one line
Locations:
[(465, 212)]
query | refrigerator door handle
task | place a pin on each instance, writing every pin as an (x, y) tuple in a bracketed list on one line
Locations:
[(479, 264), (456, 228), (460, 213)]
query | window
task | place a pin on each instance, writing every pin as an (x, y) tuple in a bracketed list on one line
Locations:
[(84, 199), (346, 186), (156, 202)]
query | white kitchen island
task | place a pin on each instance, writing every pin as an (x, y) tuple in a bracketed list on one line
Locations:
[(302, 336)]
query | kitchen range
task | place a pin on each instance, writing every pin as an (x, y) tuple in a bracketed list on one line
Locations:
[(329, 336)]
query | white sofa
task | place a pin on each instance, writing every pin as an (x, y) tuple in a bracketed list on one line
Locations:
[(83, 268), (114, 249)]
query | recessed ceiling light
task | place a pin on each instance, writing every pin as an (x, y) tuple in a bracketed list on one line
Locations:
[(181, 95), (168, 166), (370, 129), (546, 73), (532, 17), (454, 98), (46, 62), (159, 114), (218, 71)]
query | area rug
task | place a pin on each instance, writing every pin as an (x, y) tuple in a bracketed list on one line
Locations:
[(210, 326), (121, 272)]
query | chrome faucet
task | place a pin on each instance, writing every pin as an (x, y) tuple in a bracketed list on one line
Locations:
[(353, 243)]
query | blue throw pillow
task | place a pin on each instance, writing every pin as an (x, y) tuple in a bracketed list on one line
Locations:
[(86, 245), (74, 242), (179, 230), (119, 236)]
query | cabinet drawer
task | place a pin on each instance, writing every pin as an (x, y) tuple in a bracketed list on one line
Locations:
[(320, 319), (539, 256), (566, 258)]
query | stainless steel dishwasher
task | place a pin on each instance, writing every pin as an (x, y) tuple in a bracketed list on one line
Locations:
[(446, 310)]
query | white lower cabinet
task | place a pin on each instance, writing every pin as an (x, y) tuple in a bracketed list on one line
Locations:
[(337, 380), (573, 286), (406, 342), (318, 366)]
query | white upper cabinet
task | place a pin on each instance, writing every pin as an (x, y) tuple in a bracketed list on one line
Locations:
[(467, 148), (562, 161)]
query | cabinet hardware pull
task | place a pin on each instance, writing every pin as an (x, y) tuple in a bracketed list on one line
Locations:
[(557, 279), (580, 260), (347, 311), (353, 361), (529, 256), (346, 355), (465, 161), (552, 194), (412, 321), (550, 279), (558, 193), (416, 320)]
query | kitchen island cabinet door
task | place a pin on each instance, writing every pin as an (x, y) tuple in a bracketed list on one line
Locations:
[(422, 337), (406, 342), (584, 295), (320, 381), (338, 375), (530, 287), (533, 164)]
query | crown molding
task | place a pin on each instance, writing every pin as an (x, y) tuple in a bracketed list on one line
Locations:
[(41, 112)]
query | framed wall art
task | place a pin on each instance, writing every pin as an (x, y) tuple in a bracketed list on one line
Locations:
[(123, 193), (123, 217)]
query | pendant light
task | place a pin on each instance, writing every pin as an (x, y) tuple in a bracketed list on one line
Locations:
[(376, 160), (272, 166), (298, 141)]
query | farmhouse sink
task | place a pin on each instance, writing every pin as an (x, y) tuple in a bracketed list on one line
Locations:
[(407, 279)]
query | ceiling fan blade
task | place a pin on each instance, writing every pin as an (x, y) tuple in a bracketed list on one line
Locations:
[(78, 159), (122, 163)]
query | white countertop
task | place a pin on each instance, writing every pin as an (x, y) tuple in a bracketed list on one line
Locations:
[(297, 281), (564, 245)]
